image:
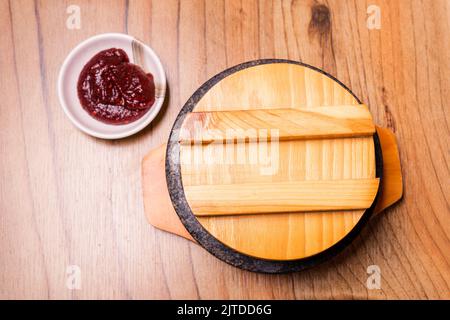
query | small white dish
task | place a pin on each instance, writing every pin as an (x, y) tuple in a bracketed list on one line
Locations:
[(77, 59)]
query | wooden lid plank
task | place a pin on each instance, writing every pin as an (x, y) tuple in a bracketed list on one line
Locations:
[(279, 197), (281, 124)]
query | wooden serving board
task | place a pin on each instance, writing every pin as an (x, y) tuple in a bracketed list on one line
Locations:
[(321, 184)]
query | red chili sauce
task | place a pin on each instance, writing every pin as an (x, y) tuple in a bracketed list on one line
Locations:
[(113, 90)]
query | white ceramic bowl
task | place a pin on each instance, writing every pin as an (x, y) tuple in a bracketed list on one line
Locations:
[(70, 71)]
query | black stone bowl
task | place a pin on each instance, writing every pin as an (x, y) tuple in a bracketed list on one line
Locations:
[(208, 241)]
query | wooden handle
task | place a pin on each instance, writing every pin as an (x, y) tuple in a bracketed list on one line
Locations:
[(391, 183), (279, 197), (160, 213), (157, 204), (283, 124)]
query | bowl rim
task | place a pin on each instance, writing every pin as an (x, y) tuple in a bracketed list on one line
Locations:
[(206, 239), (142, 122)]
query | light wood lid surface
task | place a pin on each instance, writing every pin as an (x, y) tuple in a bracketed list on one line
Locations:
[(297, 197)]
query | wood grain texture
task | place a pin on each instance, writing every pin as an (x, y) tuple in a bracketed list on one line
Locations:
[(69, 199), (277, 197), (280, 124), (293, 235)]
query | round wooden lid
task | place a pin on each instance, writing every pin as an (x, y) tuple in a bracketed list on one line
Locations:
[(274, 161)]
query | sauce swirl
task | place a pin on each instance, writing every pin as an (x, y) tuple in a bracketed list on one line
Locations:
[(113, 90)]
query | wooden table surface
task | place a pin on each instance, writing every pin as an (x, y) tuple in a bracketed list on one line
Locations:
[(67, 199)]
